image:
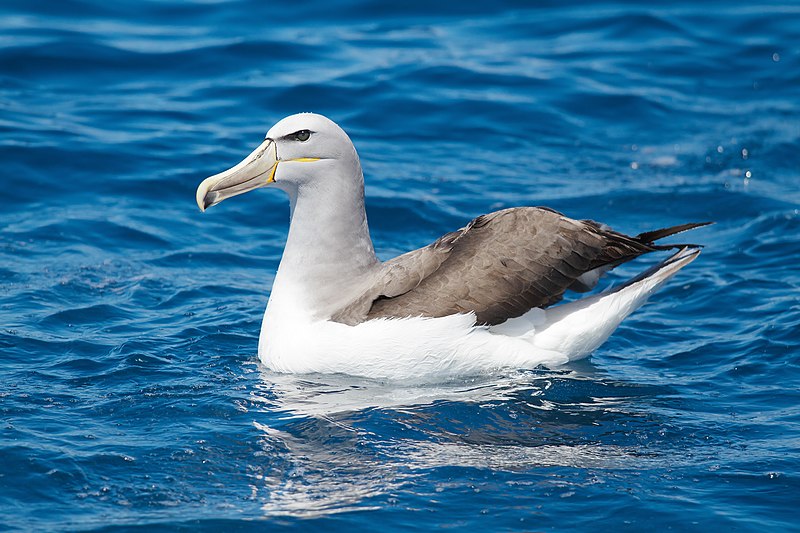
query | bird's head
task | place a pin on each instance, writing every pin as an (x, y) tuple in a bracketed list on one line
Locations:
[(298, 151)]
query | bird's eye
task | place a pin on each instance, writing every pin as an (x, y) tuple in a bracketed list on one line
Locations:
[(301, 135)]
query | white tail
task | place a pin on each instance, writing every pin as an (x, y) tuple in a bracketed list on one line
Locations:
[(577, 328)]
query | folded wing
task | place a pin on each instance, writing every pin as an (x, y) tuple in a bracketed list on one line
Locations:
[(500, 266)]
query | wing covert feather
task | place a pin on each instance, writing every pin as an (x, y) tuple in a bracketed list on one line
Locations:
[(499, 266)]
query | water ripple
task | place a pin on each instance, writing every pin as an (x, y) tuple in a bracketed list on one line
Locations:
[(131, 394)]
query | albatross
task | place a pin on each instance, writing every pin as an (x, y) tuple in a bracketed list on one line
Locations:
[(477, 300)]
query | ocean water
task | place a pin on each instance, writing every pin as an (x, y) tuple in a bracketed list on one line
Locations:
[(131, 397)]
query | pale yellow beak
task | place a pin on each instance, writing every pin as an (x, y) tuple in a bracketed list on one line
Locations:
[(256, 170)]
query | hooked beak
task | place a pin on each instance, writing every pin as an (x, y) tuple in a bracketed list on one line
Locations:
[(256, 170)]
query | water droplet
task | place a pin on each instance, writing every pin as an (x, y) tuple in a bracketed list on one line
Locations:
[(720, 149), (745, 153), (634, 165), (748, 174), (776, 57)]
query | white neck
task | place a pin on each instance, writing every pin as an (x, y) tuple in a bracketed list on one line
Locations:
[(329, 253)]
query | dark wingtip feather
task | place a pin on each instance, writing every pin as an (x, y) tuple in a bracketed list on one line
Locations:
[(648, 237)]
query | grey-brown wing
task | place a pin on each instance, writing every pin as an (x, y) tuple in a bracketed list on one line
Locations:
[(399, 276), (499, 267)]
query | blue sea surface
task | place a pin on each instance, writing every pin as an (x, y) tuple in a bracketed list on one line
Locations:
[(131, 396)]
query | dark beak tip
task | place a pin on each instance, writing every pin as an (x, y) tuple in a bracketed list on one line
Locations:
[(208, 200)]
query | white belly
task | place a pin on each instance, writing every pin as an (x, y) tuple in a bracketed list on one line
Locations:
[(410, 349)]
